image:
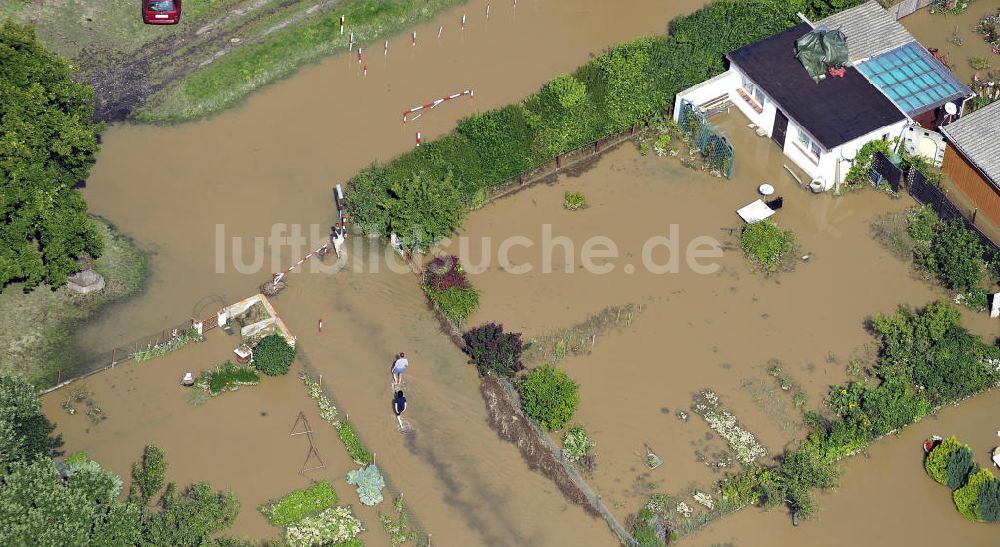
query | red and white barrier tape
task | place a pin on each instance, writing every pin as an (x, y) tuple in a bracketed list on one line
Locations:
[(434, 104), (279, 276)]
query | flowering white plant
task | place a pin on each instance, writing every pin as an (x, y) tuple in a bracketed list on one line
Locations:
[(333, 525), (704, 499), (741, 441), (684, 509)]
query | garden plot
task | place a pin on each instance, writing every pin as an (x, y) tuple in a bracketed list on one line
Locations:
[(240, 441), (720, 331)]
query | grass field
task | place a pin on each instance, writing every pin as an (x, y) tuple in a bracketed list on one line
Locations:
[(222, 50), (236, 75), (36, 327), (70, 27)]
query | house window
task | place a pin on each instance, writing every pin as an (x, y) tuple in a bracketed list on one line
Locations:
[(807, 144), (752, 94)]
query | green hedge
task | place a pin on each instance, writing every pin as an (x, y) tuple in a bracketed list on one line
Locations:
[(299, 504), (629, 83), (357, 450), (936, 463)]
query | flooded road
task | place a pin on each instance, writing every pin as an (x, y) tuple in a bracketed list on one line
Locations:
[(266, 171), (275, 159)]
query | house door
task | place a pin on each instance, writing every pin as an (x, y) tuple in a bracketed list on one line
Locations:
[(780, 128)]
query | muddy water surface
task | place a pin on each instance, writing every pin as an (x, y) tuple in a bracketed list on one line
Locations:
[(274, 161), (939, 30), (720, 330), (238, 440)]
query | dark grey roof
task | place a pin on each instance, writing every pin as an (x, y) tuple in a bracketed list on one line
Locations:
[(835, 110), (870, 30), (977, 136)]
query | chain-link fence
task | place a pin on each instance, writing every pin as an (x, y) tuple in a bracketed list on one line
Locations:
[(707, 138)]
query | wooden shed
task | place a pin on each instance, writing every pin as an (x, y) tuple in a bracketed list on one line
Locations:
[(973, 159)]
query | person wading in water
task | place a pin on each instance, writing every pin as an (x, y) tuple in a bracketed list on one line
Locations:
[(398, 406), (398, 367)]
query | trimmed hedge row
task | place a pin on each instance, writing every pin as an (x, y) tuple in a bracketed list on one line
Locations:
[(300, 504), (422, 195)]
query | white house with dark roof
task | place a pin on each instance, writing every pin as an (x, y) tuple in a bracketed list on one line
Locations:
[(819, 126), (972, 159), (890, 81)]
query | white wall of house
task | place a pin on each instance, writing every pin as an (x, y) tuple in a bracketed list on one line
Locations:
[(829, 165)]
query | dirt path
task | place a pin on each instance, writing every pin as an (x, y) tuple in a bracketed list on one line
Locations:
[(120, 87)]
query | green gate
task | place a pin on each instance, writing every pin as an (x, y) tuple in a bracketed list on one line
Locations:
[(710, 140)]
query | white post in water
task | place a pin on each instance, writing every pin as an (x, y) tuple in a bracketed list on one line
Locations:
[(386, 52), (463, 21), (342, 24), (350, 43), (413, 39), (440, 30), (487, 11), (365, 69)]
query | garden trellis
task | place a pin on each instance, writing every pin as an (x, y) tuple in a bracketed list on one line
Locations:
[(710, 140)]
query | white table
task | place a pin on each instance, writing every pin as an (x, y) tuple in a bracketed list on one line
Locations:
[(754, 212), (765, 189)]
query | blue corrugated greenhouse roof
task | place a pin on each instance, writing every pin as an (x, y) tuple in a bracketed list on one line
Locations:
[(913, 79)]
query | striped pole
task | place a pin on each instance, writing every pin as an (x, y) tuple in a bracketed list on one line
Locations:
[(386, 47), (434, 104), (413, 41), (463, 21), (342, 23), (440, 30), (420, 138), (350, 43)]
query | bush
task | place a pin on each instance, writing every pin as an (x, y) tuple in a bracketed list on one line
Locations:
[(576, 443), (369, 482), (273, 355), (976, 299), (989, 501), (148, 475), (574, 200), (893, 405), (299, 504), (423, 209), (767, 245), (961, 464), (848, 435), (922, 222), (549, 396), (448, 288), (744, 488), (936, 463), (967, 497), (494, 351), (501, 141), (445, 272), (956, 257), (228, 377), (192, 517), (355, 448), (456, 303)]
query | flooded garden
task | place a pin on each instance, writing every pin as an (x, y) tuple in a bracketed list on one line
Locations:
[(623, 273)]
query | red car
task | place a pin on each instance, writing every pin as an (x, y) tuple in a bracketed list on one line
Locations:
[(161, 12)]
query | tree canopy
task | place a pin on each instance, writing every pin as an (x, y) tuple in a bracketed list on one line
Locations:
[(48, 143)]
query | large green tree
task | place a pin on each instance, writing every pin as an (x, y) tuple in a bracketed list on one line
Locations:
[(48, 143)]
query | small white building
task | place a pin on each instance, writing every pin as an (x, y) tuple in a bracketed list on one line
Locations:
[(819, 126)]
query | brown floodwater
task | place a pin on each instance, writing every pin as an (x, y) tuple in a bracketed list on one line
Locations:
[(719, 331), (238, 440), (939, 30), (272, 163)]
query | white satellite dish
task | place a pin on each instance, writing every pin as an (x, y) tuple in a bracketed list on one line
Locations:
[(848, 154), (950, 108)]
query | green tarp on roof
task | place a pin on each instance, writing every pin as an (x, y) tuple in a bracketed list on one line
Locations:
[(820, 49)]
